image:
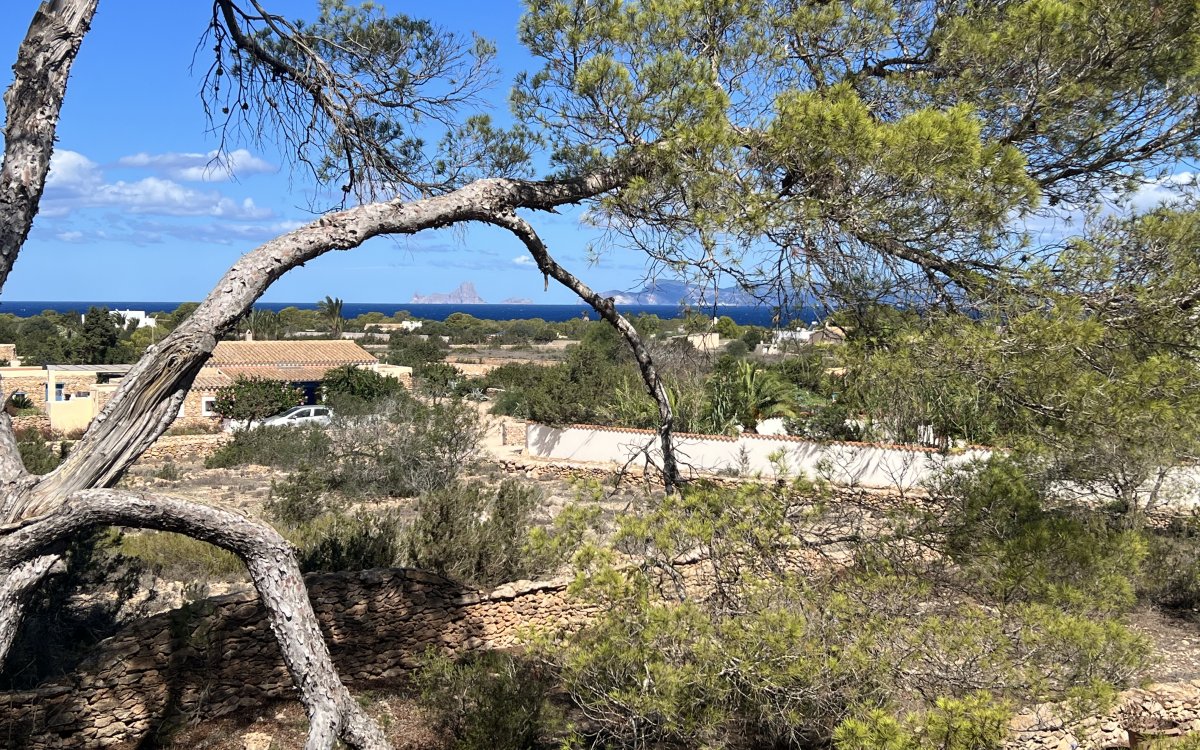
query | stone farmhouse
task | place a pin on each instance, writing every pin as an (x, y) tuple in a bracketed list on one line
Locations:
[(65, 398)]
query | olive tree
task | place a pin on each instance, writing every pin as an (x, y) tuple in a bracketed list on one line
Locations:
[(779, 142)]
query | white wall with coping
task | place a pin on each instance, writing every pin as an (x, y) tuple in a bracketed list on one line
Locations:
[(858, 464)]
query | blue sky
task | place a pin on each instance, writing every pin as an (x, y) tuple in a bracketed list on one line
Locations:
[(134, 209)]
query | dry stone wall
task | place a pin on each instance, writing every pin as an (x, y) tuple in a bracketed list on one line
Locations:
[(218, 656), (184, 448)]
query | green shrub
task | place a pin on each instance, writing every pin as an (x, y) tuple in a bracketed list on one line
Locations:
[(827, 422), (488, 701), (975, 722), (280, 447), (256, 398), (37, 455), (358, 541), (359, 383), (775, 651), (438, 379), (181, 558), (474, 534), (407, 447), (1014, 544), (21, 403), (1171, 576), (298, 499), (168, 471)]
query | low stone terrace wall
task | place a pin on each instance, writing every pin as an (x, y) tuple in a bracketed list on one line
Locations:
[(218, 656)]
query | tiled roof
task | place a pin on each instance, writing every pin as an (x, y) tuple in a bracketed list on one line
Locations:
[(210, 379), (325, 354), (286, 374)]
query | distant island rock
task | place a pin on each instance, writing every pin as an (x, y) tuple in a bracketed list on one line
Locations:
[(465, 294), (680, 293), (517, 301)]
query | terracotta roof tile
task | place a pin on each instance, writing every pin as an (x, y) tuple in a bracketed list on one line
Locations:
[(325, 354), (286, 374), (210, 379)]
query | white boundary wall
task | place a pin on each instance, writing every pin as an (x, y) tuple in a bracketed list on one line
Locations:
[(857, 464)]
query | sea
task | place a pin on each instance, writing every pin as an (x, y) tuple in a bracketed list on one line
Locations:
[(742, 315)]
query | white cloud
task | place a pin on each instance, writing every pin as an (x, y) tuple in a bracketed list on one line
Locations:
[(71, 170), (215, 166), (1165, 192), (75, 182), (523, 260)]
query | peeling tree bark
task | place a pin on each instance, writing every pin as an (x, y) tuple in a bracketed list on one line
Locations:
[(33, 103), (607, 310), (332, 711)]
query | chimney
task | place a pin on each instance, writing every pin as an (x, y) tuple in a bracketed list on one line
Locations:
[(249, 335)]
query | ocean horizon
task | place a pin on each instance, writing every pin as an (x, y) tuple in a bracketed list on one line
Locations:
[(759, 315)]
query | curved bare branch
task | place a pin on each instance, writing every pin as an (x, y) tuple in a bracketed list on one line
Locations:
[(333, 713), (145, 404), (508, 219)]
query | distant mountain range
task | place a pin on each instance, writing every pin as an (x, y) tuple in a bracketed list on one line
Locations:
[(680, 293), (465, 294), (660, 292)]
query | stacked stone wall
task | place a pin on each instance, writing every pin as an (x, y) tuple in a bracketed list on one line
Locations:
[(184, 448), (38, 422), (32, 384), (512, 432), (218, 656)]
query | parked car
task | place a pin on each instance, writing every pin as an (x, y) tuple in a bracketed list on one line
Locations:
[(293, 417), (298, 415)]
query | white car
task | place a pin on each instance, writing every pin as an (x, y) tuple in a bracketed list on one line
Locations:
[(298, 415), (293, 417)]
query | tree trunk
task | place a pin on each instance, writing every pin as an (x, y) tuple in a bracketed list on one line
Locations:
[(332, 711), (33, 103), (607, 310)]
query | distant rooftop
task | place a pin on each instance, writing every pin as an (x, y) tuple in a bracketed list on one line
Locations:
[(289, 353), (91, 368)]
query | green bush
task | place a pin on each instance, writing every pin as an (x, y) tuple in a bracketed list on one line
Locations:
[(776, 651), (181, 558), (37, 455), (407, 447), (280, 447), (1171, 576), (975, 722), (298, 499), (999, 525), (256, 398), (358, 541), (488, 701), (360, 383), (474, 534)]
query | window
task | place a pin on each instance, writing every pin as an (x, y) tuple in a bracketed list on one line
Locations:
[(59, 389), (206, 406), (321, 412)]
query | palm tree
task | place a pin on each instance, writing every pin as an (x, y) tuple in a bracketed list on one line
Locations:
[(263, 324), (748, 395), (331, 309)]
